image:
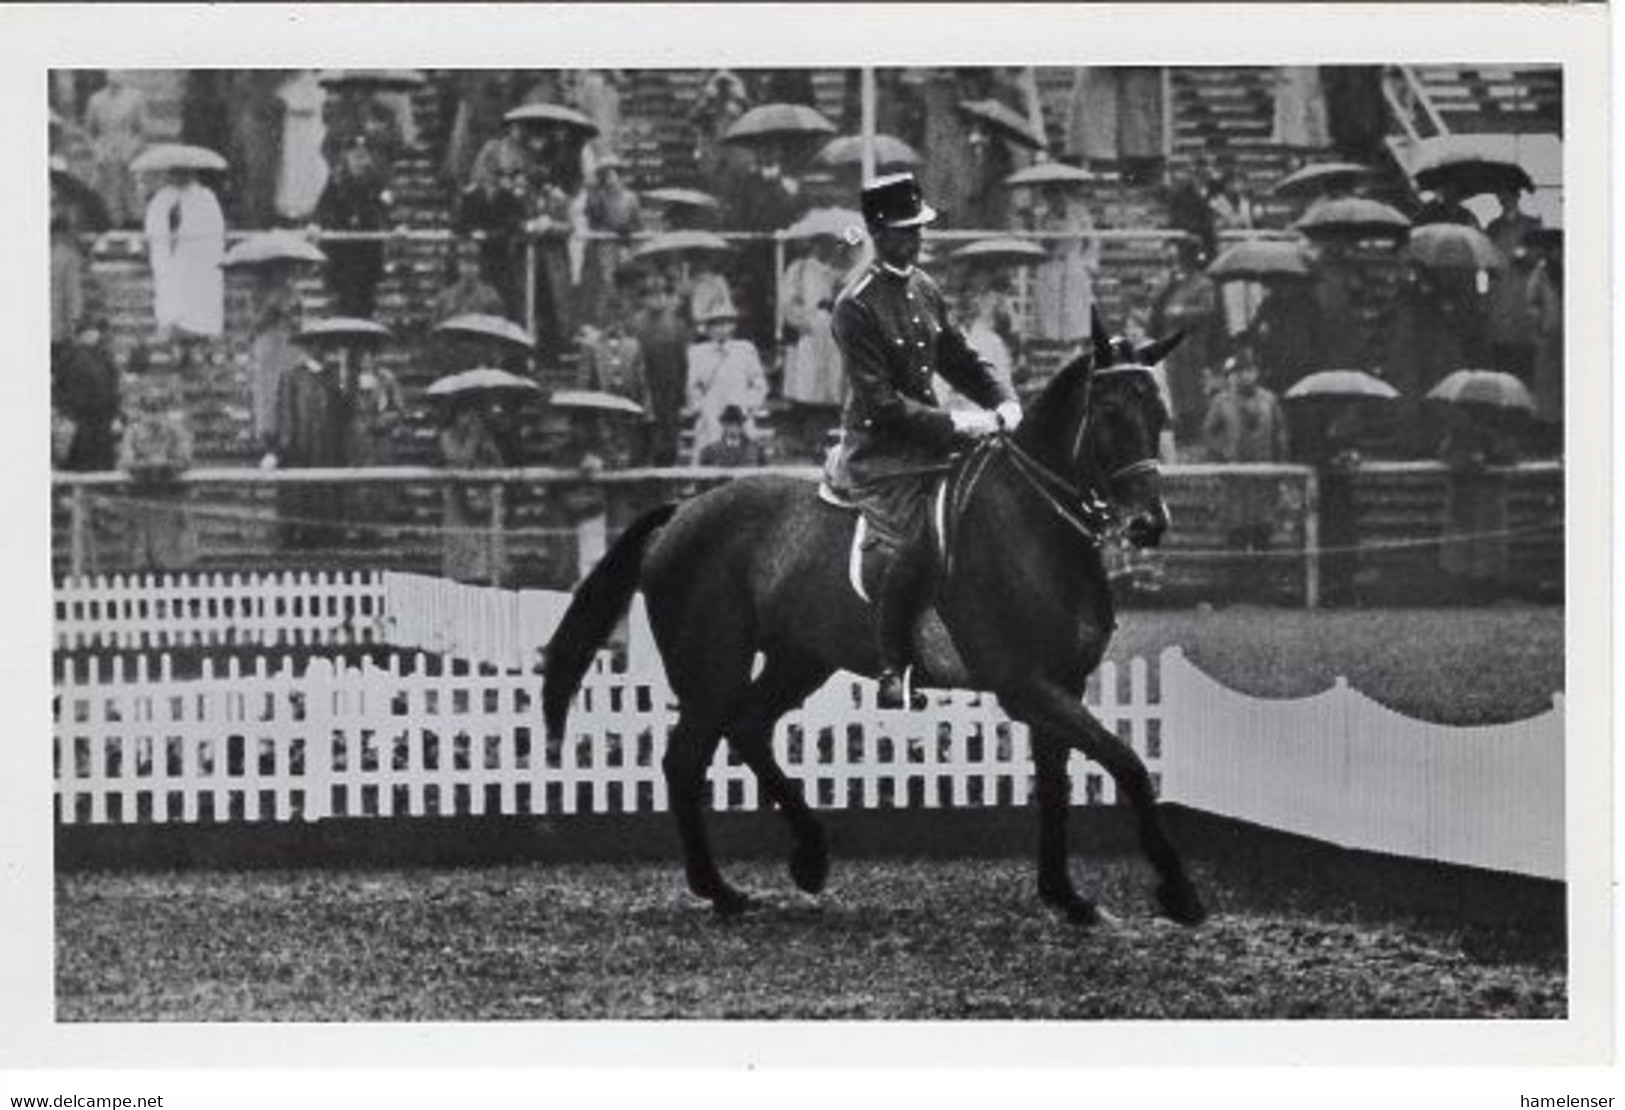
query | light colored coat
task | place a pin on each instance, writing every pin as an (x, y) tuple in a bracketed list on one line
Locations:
[(189, 289), (719, 375)]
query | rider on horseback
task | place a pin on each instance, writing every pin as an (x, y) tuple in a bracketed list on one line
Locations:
[(891, 325)]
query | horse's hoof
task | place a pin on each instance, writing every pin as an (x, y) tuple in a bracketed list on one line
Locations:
[(1077, 909), (1180, 903), (809, 866), (732, 903)]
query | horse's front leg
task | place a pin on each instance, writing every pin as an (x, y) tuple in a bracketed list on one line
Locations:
[(1050, 754), (1052, 711)]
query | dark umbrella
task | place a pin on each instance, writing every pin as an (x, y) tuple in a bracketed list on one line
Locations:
[(777, 121), (1454, 247), (482, 380), (1342, 384), (79, 193), (1003, 122), (553, 115), (1469, 172), (1321, 178), (1262, 260), (1353, 216), (848, 151), (1001, 252), (343, 331), (497, 329), (273, 248), (385, 80), (1048, 173), (1490, 388)]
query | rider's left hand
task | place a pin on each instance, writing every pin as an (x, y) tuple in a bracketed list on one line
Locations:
[(1009, 415)]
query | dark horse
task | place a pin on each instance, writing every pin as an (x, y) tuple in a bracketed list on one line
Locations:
[(1023, 610)]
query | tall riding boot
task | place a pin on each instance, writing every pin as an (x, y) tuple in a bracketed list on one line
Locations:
[(903, 593)]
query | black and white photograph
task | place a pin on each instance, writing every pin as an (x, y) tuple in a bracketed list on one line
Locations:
[(1037, 527)]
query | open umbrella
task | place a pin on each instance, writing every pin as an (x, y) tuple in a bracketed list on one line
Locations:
[(1262, 260), (777, 121), (1003, 122), (1356, 216), (1471, 172), (342, 331), (482, 379), (79, 193), (164, 157), (680, 243), (273, 248), (1454, 247), (553, 115), (1048, 173), (479, 325), (594, 400), (681, 198), (1341, 383), (837, 223), (848, 151), (1321, 178), (385, 80), (1491, 388), (1001, 252)]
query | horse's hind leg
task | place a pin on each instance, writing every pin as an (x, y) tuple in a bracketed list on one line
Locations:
[(1052, 710), (689, 750), (783, 684)]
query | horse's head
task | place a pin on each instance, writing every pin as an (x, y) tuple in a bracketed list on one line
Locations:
[(1099, 423)]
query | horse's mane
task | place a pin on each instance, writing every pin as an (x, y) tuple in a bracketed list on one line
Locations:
[(1050, 418)]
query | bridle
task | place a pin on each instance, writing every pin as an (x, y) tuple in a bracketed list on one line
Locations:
[(1084, 507)]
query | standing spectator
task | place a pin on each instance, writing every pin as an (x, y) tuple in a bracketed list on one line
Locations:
[(1444, 206), (1187, 300), (1286, 334), (812, 366), (1475, 554), (378, 408), (663, 336), (473, 439), (156, 449), (1300, 108), (1189, 210), (70, 272), (1546, 301), (735, 448), (116, 119), (1439, 328), (1332, 446), (1512, 330), (315, 407), (85, 391), (1245, 425), (721, 102), (465, 289), (186, 240), (1115, 115), (598, 96), (610, 207), (358, 112), (493, 209), (766, 201), (1233, 211), (553, 210), (482, 98), (354, 200), (1356, 112), (302, 174), (1063, 291), (277, 316), (255, 116), (707, 293), (612, 361), (722, 371)]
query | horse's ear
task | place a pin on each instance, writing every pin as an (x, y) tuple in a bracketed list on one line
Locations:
[(1154, 352), (1102, 338)]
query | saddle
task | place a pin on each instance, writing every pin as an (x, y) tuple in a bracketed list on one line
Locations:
[(868, 556)]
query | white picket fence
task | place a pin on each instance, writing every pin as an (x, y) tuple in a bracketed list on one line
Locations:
[(290, 742), (151, 612), (1342, 768)]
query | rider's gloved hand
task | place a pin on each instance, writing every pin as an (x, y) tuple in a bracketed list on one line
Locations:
[(1009, 415), (975, 424)]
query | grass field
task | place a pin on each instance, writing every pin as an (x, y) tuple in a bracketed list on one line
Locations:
[(1453, 666), (889, 940)]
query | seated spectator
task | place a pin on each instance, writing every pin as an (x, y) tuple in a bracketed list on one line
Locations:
[(355, 200), (735, 448), (186, 239), (722, 371)]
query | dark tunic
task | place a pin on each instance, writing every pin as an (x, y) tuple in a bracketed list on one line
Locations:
[(894, 332)]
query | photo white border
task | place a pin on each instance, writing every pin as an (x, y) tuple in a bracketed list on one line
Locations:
[(35, 39)]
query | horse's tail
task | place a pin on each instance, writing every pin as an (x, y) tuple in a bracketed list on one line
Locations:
[(600, 601)]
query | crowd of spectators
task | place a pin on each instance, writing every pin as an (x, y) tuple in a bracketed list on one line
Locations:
[(715, 347)]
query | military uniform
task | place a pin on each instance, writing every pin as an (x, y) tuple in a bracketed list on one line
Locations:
[(894, 332)]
